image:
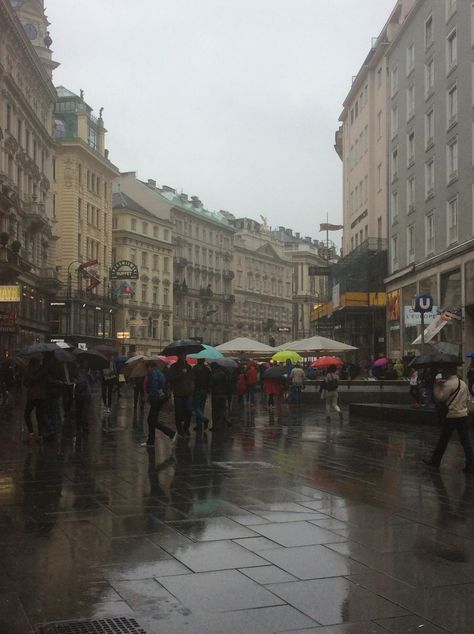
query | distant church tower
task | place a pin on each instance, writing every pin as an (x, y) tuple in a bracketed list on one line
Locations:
[(32, 16)]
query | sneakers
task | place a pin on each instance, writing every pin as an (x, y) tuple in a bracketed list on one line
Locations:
[(146, 444)]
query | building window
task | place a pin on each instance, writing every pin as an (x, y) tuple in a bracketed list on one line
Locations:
[(133, 224), (166, 236), (166, 296), (79, 174), (429, 179), (156, 232), (452, 160), (429, 77), (394, 81), (144, 292), (394, 208), (394, 253), (166, 265), (429, 128), (411, 194), (156, 262), (379, 227), (410, 58), (411, 243), (451, 50), (379, 177), (411, 148), (379, 77), (79, 208), (145, 228), (155, 295), (429, 234), (9, 118), (394, 165), (145, 259), (394, 121), (379, 125), (79, 246), (452, 220), (410, 101), (429, 32), (452, 105)]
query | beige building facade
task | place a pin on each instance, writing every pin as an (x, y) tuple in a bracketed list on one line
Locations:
[(262, 285), (362, 143), (27, 244), (83, 178), (142, 234)]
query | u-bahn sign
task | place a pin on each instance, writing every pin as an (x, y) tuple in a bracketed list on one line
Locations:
[(423, 304), (124, 270)]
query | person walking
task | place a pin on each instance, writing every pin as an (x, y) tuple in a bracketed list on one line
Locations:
[(452, 397), (35, 383), (108, 382), (138, 392), (180, 377), (415, 388), (251, 379), (297, 378), (202, 384), (240, 386), (219, 389), (156, 390), (329, 386), (83, 384)]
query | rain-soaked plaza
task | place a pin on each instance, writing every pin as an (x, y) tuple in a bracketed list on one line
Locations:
[(281, 523)]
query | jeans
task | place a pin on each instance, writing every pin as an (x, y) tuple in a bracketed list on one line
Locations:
[(107, 390), (295, 394), (219, 406), (154, 424), (250, 394), (38, 405), (331, 403), (183, 410), (138, 395), (449, 425), (199, 404)]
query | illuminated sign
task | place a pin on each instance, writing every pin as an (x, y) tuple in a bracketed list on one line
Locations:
[(10, 293)]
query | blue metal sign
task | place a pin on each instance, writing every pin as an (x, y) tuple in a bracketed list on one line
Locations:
[(423, 304)]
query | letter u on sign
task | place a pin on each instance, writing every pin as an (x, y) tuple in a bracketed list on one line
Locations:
[(423, 303)]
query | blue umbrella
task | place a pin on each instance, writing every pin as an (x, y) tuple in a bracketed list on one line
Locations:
[(208, 353), (470, 355)]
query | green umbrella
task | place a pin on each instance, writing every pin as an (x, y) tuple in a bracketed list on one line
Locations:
[(284, 355), (208, 353)]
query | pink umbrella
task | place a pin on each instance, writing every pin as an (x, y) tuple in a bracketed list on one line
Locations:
[(378, 363)]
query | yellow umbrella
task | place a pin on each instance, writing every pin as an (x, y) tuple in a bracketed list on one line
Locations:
[(284, 355)]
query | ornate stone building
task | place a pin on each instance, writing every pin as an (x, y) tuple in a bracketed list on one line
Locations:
[(27, 245), (84, 311), (262, 285), (142, 234)]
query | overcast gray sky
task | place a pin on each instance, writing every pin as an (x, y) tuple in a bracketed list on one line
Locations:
[(236, 101)]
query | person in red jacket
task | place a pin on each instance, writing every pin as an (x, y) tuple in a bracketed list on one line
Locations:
[(240, 386), (251, 379)]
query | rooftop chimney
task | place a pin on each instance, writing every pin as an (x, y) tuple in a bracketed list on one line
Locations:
[(151, 183), (308, 239), (167, 188), (196, 202), (297, 235), (184, 197)]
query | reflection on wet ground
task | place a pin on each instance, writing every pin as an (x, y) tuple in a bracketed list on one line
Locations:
[(281, 523)]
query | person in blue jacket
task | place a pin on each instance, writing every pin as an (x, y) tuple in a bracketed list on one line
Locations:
[(156, 390)]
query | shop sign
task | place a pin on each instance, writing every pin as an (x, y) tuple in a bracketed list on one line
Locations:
[(8, 322), (413, 318), (10, 293), (124, 270), (283, 329), (124, 290), (138, 322), (393, 306), (319, 271)]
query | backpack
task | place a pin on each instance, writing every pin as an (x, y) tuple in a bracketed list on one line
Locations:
[(331, 385)]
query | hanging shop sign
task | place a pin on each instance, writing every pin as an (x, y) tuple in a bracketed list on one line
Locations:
[(393, 306), (436, 326), (413, 318), (323, 271), (124, 270), (10, 293), (8, 322)]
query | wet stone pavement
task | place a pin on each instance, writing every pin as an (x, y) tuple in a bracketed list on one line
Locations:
[(283, 523)]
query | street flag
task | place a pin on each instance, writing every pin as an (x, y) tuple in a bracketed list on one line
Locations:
[(436, 327), (325, 226)]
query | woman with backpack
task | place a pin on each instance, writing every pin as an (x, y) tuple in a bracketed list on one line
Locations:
[(329, 386)]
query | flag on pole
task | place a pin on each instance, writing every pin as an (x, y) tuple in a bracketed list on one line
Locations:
[(325, 226)]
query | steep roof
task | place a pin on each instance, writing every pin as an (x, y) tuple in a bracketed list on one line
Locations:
[(122, 201)]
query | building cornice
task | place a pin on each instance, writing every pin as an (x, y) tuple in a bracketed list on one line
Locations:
[(138, 238), (79, 144)]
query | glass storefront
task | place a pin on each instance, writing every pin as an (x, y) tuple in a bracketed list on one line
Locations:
[(451, 299), (410, 333)]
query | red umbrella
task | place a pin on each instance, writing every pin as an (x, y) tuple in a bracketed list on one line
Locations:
[(325, 362)]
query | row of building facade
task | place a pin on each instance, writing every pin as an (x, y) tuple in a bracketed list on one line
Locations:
[(89, 254), (406, 141)]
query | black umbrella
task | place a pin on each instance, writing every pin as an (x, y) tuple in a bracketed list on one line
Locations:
[(38, 348), (275, 372), (182, 346), (434, 359), (95, 359), (225, 362)]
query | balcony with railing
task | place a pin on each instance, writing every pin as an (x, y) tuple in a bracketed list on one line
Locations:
[(227, 274)]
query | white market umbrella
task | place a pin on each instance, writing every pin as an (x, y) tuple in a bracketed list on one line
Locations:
[(244, 345), (319, 344)]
